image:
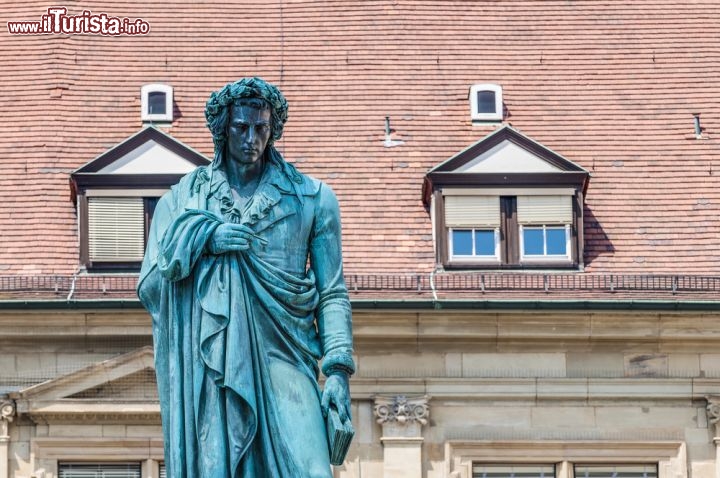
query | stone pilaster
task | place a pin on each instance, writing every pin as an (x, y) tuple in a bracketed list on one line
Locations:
[(7, 413), (402, 419), (713, 414)]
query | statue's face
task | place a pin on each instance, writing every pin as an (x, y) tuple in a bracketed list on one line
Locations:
[(248, 133)]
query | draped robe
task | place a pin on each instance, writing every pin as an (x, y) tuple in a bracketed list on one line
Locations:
[(238, 335)]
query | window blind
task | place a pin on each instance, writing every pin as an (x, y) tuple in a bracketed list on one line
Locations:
[(472, 211), (116, 229), (99, 470), (163, 472), (544, 209)]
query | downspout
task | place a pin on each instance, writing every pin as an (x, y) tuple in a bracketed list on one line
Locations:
[(432, 284), (72, 285)]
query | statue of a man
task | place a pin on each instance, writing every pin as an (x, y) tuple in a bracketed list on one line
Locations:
[(243, 278)]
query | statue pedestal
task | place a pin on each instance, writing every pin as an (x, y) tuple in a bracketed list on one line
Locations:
[(402, 419)]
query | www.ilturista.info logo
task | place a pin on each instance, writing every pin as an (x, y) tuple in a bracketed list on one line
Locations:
[(57, 21)]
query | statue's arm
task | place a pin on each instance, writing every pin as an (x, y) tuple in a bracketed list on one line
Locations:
[(333, 314), (178, 234), (150, 281)]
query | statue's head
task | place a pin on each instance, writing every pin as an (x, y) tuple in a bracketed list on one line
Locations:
[(254, 92)]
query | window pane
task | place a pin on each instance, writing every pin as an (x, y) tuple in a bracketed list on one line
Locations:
[(486, 101), (156, 103), (484, 243), (556, 243), (462, 243), (616, 471), (533, 242), (513, 471), (99, 470)]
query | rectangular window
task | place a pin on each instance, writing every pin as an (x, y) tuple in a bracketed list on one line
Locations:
[(115, 231), (474, 243), (508, 231), (545, 227), (473, 223), (156, 103), (616, 471), (486, 101), (550, 242), (513, 471), (99, 470), (163, 471)]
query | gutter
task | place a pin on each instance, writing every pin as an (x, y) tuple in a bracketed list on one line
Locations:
[(580, 304), (413, 304)]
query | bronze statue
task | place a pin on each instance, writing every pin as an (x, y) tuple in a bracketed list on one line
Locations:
[(239, 319)]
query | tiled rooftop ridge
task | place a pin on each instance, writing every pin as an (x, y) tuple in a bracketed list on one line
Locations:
[(610, 86)]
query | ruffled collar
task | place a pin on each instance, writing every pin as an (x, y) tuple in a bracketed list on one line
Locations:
[(273, 184)]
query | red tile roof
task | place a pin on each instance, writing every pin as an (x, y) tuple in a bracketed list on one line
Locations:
[(611, 85)]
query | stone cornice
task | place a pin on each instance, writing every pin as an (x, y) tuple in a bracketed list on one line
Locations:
[(514, 389), (72, 448), (89, 411), (413, 326)]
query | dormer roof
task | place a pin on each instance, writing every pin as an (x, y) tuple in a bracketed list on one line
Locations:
[(149, 158), (505, 157)]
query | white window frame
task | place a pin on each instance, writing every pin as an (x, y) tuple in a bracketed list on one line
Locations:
[(145, 91), (50, 451), (615, 466), (545, 257), (518, 467), (108, 465), (669, 456), (474, 257), (475, 114)]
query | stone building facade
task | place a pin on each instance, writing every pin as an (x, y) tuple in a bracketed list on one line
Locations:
[(531, 215)]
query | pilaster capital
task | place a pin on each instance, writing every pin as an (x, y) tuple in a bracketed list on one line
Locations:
[(7, 414), (402, 409), (713, 408), (401, 415)]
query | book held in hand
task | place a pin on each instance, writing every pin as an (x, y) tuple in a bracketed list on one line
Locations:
[(340, 435)]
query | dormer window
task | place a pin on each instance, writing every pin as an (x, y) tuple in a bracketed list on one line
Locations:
[(157, 103), (507, 202), (116, 194), (486, 102)]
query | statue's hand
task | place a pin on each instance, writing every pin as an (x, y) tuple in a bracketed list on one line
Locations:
[(337, 393), (230, 237)]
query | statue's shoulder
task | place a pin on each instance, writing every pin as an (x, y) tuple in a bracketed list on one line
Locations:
[(323, 195), (188, 186), (194, 179), (310, 186), (304, 183)]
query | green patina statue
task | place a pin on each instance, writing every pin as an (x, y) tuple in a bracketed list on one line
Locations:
[(239, 319)]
